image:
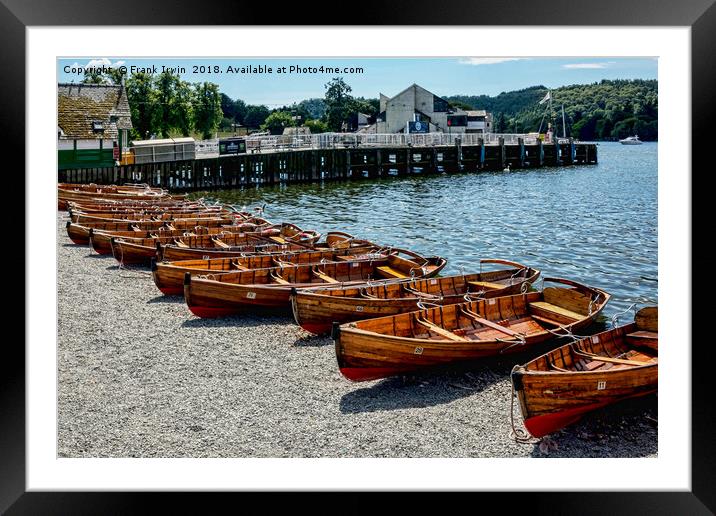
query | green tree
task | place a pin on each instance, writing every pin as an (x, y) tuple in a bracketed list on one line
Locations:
[(277, 121), (181, 113), (316, 126), (339, 103), (142, 102), (256, 116), (94, 77), (207, 108), (165, 88)]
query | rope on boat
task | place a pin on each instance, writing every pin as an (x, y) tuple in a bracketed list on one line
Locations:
[(121, 267), (615, 317), (518, 434)]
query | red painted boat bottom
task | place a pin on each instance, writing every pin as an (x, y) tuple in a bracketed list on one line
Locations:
[(316, 329), (210, 312), (539, 426), (169, 291), (363, 374)]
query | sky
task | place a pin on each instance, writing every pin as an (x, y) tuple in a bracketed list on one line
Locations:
[(239, 78)]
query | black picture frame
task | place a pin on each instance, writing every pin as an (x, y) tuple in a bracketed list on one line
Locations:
[(699, 15)]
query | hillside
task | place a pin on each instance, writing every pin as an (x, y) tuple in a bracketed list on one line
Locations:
[(608, 110)]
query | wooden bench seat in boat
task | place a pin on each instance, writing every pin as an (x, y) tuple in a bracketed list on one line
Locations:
[(609, 360), (278, 239), (439, 330), (279, 279), (547, 312), (485, 284), (324, 277), (220, 243), (485, 322), (390, 271), (179, 243), (648, 339)]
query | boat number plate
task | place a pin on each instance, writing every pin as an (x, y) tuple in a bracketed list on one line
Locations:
[(601, 385), (251, 295), (433, 282), (595, 339), (359, 308), (418, 351), (356, 264)]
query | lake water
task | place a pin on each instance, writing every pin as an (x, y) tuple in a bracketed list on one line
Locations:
[(595, 224)]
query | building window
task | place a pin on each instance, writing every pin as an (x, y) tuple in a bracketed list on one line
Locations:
[(97, 127)]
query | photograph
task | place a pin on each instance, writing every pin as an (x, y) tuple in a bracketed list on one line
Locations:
[(421, 256), (384, 257)]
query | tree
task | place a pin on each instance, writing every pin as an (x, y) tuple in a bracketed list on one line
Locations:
[(94, 77), (207, 108), (256, 116), (141, 96), (339, 103), (181, 109), (316, 126), (277, 121), (165, 87), (500, 123)]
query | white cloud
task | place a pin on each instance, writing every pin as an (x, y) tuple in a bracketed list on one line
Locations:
[(580, 66), (475, 61), (99, 62)]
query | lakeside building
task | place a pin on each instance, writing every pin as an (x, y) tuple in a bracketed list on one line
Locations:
[(93, 124), (416, 109)]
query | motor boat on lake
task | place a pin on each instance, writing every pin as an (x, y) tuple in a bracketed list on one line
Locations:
[(631, 140)]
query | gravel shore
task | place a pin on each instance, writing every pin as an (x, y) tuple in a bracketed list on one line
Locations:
[(140, 376)]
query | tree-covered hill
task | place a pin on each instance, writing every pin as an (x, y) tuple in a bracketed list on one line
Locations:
[(607, 110)]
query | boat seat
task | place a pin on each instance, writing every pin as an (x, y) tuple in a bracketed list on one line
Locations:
[(220, 243), (278, 239), (238, 266), (390, 271), (324, 277), (485, 284), (489, 324), (548, 310), (279, 279), (440, 331), (609, 360), (648, 339), (179, 243)]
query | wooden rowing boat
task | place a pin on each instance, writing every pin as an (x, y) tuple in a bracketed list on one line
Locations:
[(454, 334), (559, 387), (82, 218), (315, 310), (334, 240), (169, 276), (66, 193), (234, 292), (101, 240), (79, 233), (129, 250)]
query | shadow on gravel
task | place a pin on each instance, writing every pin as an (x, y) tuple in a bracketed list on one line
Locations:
[(166, 299), (420, 391), (627, 429), (72, 244), (313, 341), (235, 321)]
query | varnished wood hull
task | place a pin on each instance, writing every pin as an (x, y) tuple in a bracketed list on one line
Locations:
[(169, 276), (553, 395), (316, 310), (234, 292), (385, 350)]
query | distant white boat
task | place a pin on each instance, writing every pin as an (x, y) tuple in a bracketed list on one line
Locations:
[(631, 140)]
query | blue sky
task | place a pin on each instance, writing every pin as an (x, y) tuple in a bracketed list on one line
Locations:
[(442, 76)]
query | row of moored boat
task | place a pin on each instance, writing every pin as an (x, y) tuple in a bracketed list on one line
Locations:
[(386, 308)]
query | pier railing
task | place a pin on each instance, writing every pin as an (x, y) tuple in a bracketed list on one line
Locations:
[(255, 144)]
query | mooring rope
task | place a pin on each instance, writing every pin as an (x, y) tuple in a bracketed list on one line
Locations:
[(518, 434)]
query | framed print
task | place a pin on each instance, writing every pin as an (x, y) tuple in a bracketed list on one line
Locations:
[(322, 175)]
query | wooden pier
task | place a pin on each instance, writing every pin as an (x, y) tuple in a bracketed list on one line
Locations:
[(309, 165)]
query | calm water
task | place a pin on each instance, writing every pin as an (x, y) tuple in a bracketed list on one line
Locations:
[(593, 224)]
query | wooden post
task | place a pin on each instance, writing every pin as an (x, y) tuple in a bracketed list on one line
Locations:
[(557, 160), (501, 141), (572, 151), (521, 142)]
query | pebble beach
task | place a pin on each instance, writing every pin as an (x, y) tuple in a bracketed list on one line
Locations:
[(140, 376)]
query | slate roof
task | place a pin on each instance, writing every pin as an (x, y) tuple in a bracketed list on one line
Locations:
[(79, 105)]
